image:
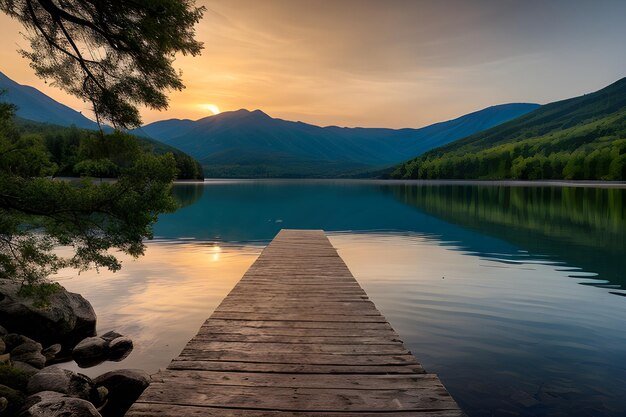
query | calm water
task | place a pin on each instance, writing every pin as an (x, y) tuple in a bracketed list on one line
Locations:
[(515, 296)]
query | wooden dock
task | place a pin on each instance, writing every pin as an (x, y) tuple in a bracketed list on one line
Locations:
[(296, 337)]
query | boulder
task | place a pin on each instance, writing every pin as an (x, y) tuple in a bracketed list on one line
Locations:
[(4, 404), (100, 397), (34, 359), (3, 331), (109, 336), (5, 359), (13, 400), (51, 351), (120, 348), (24, 367), (56, 379), (91, 351), (124, 386), (13, 340), (54, 404), (67, 319), (30, 353), (27, 346), (3, 347)]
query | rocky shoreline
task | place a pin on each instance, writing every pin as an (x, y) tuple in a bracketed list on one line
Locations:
[(37, 334)]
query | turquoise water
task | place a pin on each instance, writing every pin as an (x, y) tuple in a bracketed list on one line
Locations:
[(515, 296)]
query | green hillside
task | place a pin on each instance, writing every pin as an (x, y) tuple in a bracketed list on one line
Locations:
[(582, 138), (72, 150)]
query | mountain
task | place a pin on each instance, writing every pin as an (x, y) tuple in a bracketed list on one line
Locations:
[(579, 138), (63, 130), (34, 105), (252, 144)]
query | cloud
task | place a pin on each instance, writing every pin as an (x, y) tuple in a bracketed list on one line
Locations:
[(395, 63)]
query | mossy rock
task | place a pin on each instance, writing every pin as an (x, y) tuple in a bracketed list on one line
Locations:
[(13, 378), (15, 398)]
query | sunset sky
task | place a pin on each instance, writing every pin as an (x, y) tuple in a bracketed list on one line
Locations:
[(381, 63)]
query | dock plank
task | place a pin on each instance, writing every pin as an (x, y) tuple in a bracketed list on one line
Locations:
[(297, 336)]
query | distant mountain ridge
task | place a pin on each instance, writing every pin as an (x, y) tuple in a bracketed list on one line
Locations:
[(34, 105), (251, 143), (578, 138)]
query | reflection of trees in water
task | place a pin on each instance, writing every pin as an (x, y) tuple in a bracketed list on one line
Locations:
[(187, 194), (585, 227)]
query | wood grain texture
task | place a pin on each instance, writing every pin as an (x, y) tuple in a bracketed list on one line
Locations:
[(297, 336)]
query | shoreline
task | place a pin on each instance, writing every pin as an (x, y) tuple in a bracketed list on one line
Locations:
[(506, 183)]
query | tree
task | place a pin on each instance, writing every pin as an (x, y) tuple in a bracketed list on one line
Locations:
[(115, 54), (38, 214)]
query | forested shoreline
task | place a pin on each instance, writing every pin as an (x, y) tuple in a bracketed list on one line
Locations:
[(81, 152), (583, 138)]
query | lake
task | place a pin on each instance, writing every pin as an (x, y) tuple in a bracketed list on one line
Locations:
[(514, 295)]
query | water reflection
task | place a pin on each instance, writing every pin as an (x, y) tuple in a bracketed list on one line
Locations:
[(584, 229), (161, 299), (188, 193)]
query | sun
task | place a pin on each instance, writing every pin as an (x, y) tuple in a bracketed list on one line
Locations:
[(211, 107)]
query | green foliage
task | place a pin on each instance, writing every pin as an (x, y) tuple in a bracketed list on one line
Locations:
[(40, 292), (98, 168), (114, 54), (81, 152), (578, 139), (38, 213)]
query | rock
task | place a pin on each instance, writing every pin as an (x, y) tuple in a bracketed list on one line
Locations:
[(3, 331), (51, 351), (100, 396), (13, 340), (3, 347), (13, 400), (24, 367), (120, 348), (56, 379), (109, 336), (28, 346), (54, 404), (125, 386), (4, 404), (90, 351), (4, 359), (30, 353), (34, 359), (52, 378), (67, 319)]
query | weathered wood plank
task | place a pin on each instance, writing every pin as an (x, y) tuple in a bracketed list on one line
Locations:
[(308, 348), (210, 328), (188, 392), (170, 410), (190, 364), (296, 380), (299, 358), (300, 340), (299, 318), (296, 337), (299, 324)]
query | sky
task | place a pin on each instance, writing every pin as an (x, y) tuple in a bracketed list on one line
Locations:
[(392, 63)]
